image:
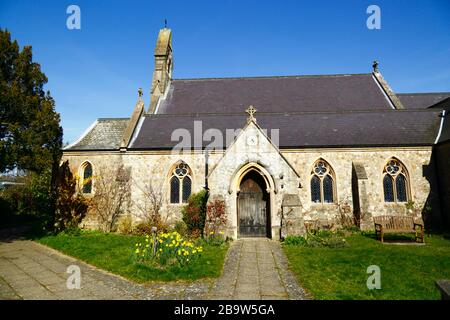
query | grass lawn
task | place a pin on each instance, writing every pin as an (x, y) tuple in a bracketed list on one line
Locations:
[(113, 252), (407, 271)]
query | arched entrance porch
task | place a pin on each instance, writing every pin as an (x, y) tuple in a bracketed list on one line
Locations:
[(254, 199)]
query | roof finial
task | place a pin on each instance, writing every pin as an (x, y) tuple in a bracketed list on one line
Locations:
[(140, 94), (165, 23), (251, 111), (375, 66)]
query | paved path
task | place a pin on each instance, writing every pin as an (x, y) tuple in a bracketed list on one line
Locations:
[(254, 269), (32, 271)]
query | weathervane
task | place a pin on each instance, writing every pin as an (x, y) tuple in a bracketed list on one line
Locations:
[(165, 23), (140, 93), (251, 111)]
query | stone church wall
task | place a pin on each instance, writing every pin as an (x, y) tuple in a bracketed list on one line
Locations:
[(155, 168)]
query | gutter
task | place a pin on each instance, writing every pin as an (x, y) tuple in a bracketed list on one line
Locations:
[(442, 115)]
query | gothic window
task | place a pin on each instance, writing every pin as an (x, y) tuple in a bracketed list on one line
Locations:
[(395, 182), (180, 184), (87, 178), (322, 183)]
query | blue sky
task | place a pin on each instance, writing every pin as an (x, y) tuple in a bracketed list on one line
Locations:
[(95, 72)]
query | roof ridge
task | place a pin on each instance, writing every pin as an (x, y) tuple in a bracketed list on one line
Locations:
[(286, 113), (107, 119), (275, 77)]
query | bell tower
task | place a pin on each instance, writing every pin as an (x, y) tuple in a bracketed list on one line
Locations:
[(162, 74)]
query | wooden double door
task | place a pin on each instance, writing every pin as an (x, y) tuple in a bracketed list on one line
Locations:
[(253, 207)]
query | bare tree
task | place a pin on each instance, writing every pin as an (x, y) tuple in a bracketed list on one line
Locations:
[(151, 202), (112, 195)]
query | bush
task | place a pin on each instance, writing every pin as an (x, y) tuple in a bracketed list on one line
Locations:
[(27, 202), (145, 228), (181, 228), (327, 239), (125, 225), (216, 218), (71, 206), (194, 213)]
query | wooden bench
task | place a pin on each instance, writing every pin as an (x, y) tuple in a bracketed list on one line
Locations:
[(397, 224)]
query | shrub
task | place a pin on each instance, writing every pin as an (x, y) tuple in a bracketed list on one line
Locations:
[(181, 228), (295, 241), (328, 239), (216, 218), (71, 206), (194, 213), (145, 227), (125, 225), (168, 248)]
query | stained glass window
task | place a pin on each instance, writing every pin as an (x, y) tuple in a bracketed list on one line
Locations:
[(174, 190), (315, 189), (388, 189), (322, 183), (87, 178), (180, 184), (400, 185), (327, 189), (395, 182), (186, 188)]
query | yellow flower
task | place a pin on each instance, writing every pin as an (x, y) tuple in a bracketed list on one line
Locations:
[(179, 252), (160, 241), (136, 244), (212, 232), (221, 232), (137, 251), (147, 246), (160, 250), (194, 251)]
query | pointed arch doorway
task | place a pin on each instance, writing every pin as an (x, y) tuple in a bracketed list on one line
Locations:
[(253, 206)]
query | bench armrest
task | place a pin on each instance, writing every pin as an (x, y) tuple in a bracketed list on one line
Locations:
[(378, 226), (418, 225)]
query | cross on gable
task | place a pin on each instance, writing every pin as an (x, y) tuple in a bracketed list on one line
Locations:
[(251, 111)]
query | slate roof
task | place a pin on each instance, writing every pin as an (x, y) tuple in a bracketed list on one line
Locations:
[(104, 134), (421, 100), (310, 111), (336, 129), (275, 94)]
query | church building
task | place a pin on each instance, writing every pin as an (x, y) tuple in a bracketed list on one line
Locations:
[(281, 152)]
